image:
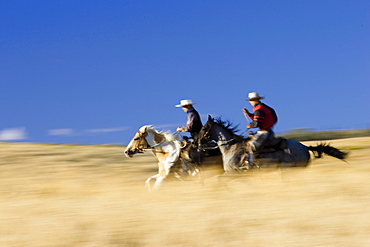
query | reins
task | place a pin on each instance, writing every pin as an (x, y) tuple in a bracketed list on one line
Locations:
[(226, 142), (220, 143), (153, 148)]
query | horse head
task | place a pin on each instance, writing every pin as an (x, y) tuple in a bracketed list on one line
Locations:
[(138, 143), (219, 131), (147, 138), (204, 135)]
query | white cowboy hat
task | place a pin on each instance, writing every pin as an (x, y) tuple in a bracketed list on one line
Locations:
[(254, 95), (185, 102)]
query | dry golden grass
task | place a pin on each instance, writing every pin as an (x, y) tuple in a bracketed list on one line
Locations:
[(65, 195)]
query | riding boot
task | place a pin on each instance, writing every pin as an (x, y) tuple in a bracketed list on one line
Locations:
[(185, 169), (250, 159)]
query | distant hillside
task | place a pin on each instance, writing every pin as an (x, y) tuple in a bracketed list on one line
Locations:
[(310, 135)]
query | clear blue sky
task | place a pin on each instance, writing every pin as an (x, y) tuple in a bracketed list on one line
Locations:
[(93, 72)]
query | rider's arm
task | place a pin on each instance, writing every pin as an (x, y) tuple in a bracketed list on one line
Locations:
[(258, 118), (189, 124)]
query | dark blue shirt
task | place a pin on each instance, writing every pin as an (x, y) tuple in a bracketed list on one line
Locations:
[(194, 124)]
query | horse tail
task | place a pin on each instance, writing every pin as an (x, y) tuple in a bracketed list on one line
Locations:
[(327, 149)]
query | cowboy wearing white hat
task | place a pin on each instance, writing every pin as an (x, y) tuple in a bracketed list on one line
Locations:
[(194, 124), (254, 95), (264, 118), (185, 102)]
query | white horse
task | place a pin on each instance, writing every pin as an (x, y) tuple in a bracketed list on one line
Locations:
[(165, 146)]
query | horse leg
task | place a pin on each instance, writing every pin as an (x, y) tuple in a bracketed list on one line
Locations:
[(147, 182), (196, 172), (158, 182), (193, 170), (164, 170)]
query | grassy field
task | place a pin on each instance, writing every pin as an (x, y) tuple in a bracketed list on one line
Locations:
[(66, 195)]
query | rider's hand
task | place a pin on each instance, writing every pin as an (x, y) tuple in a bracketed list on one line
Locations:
[(245, 111), (179, 129)]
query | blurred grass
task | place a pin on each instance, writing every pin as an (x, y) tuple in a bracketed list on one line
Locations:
[(310, 135), (67, 195)]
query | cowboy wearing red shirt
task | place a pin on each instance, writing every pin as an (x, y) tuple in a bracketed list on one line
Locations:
[(264, 118)]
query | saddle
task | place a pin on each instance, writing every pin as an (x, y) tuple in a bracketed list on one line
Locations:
[(274, 145), (191, 153)]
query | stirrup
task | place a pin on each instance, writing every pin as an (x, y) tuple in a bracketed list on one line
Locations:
[(249, 165), (253, 165)]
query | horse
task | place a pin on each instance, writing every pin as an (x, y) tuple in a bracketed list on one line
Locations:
[(165, 147), (178, 157), (235, 155)]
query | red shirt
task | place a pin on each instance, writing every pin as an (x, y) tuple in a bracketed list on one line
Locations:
[(264, 117)]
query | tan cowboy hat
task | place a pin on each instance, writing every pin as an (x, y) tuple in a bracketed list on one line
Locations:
[(185, 102), (254, 95)]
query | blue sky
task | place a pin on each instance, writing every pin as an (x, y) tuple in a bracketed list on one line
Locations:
[(94, 72)]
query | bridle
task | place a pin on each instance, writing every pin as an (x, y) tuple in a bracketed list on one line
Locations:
[(148, 147), (139, 146), (206, 137)]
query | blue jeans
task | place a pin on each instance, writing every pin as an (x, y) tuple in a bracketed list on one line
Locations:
[(257, 143)]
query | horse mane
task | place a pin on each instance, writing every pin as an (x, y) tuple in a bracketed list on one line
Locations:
[(167, 135), (229, 127)]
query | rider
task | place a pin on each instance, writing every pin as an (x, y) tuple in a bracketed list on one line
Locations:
[(194, 124), (264, 118)]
